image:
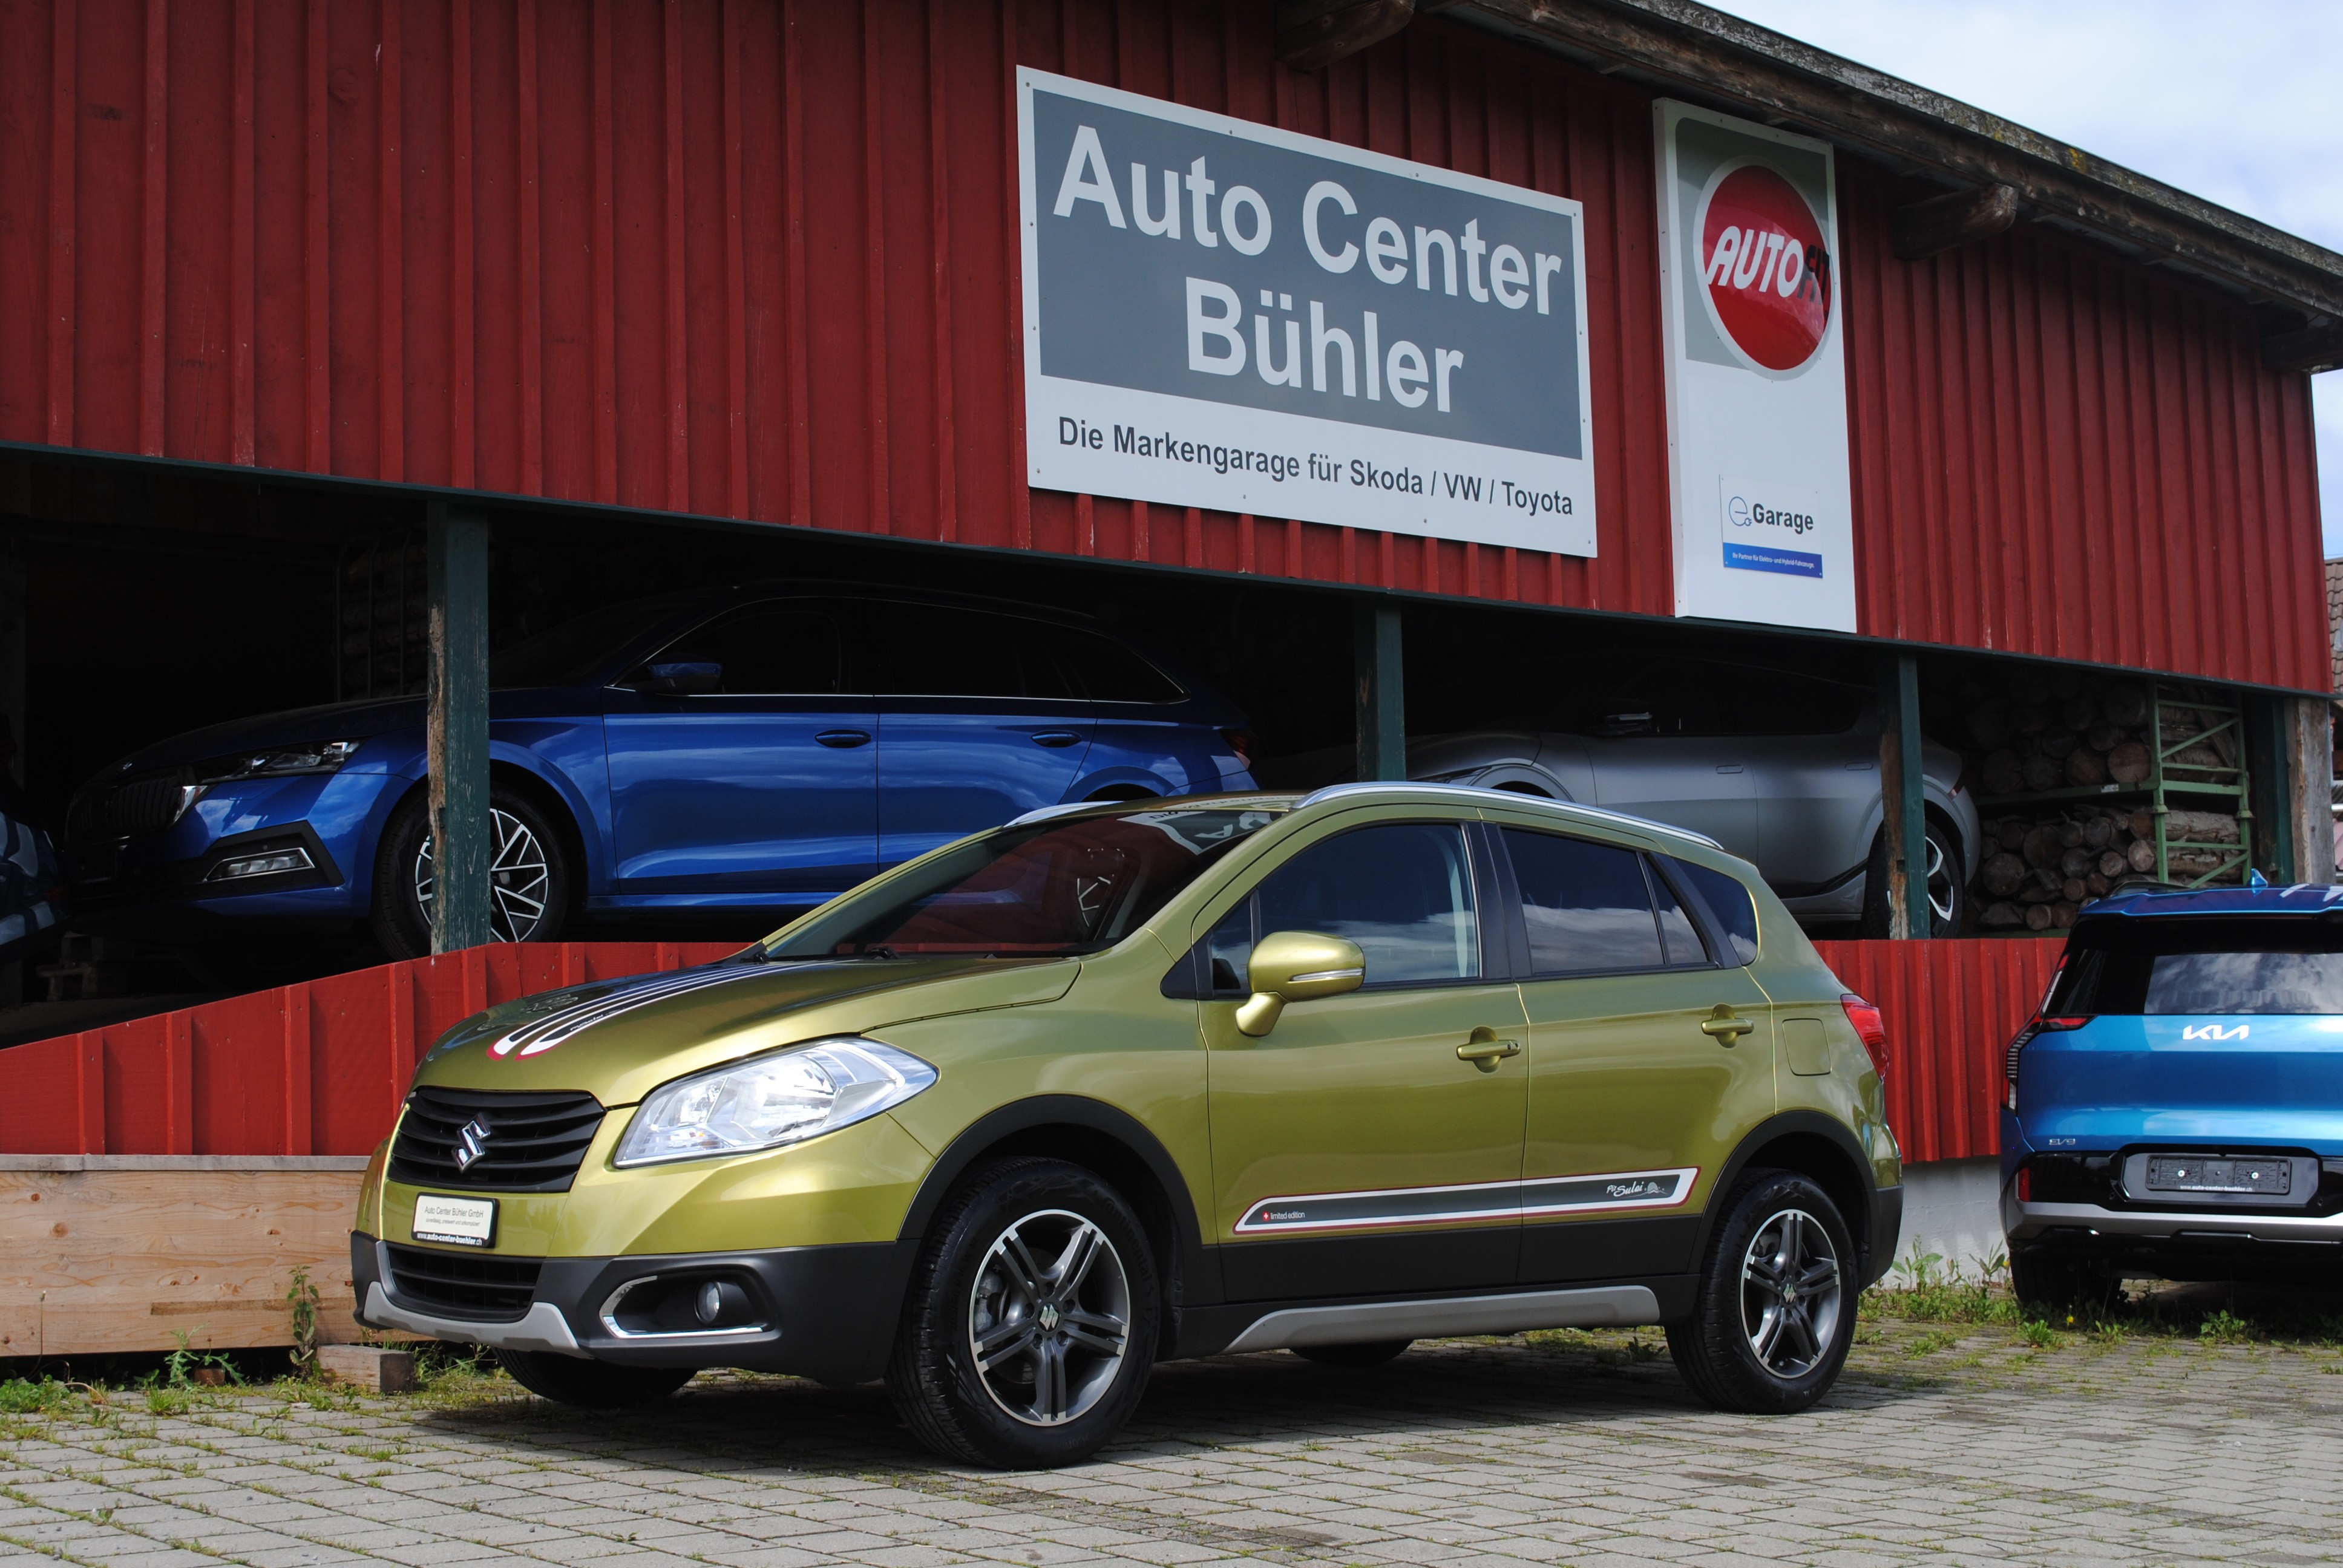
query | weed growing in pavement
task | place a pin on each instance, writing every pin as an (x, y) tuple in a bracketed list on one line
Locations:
[(2225, 1327), (25, 1396)]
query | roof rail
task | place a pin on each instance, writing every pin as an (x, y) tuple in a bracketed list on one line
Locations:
[(1569, 809)]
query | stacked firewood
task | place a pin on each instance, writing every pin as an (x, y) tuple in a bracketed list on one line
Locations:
[(2039, 868), (2072, 731)]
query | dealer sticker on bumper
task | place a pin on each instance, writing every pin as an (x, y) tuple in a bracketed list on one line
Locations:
[(465, 1222)]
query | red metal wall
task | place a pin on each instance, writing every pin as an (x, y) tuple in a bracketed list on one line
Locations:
[(320, 1068), (756, 258)]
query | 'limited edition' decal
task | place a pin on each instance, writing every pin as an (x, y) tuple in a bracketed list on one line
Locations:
[(1476, 1201)]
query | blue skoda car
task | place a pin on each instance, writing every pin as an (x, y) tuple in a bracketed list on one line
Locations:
[(2175, 1110), (745, 749)]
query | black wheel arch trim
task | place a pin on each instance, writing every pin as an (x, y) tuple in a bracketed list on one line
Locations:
[(1862, 1222), (1194, 1280)]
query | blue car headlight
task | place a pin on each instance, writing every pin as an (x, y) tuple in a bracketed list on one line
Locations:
[(282, 761)]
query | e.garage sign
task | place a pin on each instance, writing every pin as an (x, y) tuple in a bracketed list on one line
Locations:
[(1218, 314)]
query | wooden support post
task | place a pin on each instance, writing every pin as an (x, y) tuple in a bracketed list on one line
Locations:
[(1381, 692), (2305, 851), (1902, 796), (457, 702)]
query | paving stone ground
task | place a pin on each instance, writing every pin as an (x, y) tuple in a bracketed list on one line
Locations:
[(1943, 1444)]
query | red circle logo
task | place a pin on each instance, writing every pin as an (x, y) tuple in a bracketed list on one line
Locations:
[(1763, 264)]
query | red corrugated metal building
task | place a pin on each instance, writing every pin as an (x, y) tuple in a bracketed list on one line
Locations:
[(756, 262)]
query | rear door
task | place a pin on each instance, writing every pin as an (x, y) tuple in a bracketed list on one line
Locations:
[(765, 785), (1632, 1104), (978, 722), (1815, 773)]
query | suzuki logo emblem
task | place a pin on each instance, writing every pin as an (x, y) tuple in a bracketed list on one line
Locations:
[(471, 1144)]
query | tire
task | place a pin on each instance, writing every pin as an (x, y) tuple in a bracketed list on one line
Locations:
[(529, 874), (590, 1385), (1374, 1353), (2049, 1283), (992, 1283), (1752, 1344), (1948, 894)]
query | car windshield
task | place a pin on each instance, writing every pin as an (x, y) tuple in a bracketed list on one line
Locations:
[(2168, 967), (1046, 889), (572, 653)]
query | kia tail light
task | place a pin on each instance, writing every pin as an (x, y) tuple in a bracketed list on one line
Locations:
[(2035, 1025), (1241, 742), (1870, 1027)]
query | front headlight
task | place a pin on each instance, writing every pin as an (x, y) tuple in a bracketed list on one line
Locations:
[(769, 1100), (319, 757)]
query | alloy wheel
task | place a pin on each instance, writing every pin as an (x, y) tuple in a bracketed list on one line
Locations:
[(519, 876), (1791, 1293), (1941, 890), (1049, 1318)]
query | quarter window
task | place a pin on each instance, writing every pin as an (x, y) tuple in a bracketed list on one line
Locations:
[(1587, 906), (1403, 891), (1729, 901)]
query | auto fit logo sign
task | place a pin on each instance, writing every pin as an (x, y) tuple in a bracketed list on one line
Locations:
[(1765, 275), (1757, 385)]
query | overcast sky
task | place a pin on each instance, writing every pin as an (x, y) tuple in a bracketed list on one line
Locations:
[(2236, 101)]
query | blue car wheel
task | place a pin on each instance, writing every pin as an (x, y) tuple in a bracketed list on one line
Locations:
[(528, 875)]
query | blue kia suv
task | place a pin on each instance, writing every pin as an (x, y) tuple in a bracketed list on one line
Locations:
[(2175, 1109), (750, 748)]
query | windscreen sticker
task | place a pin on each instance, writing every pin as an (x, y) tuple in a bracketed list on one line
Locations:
[(1477, 1201)]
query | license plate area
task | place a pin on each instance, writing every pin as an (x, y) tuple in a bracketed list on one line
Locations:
[(454, 1221), (2220, 1179)]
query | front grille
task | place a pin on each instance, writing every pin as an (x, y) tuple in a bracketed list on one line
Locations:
[(532, 1142), (493, 1289), (143, 803)]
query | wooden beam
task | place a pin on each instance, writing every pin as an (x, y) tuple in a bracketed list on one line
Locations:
[(1380, 706), (2305, 352), (1311, 35), (1930, 227), (455, 690), (1767, 77)]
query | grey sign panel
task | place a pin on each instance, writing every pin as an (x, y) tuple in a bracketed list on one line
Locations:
[(1221, 314)]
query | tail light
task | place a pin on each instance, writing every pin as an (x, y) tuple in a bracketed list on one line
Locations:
[(1241, 742), (2026, 1183), (1871, 1027), (2035, 1025)]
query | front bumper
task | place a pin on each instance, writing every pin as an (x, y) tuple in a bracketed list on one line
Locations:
[(823, 1312)]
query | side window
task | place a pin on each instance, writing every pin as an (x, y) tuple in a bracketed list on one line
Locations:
[(1773, 702), (934, 651), (1729, 901), (1403, 891), (1586, 905), (763, 650), (1110, 672), (1228, 952)]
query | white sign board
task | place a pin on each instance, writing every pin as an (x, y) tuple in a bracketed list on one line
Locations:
[(1218, 314), (1756, 376)]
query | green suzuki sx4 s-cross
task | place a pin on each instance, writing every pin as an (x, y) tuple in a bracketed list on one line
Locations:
[(1121, 1082)]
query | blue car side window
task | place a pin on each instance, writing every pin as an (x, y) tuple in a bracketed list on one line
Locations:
[(762, 650)]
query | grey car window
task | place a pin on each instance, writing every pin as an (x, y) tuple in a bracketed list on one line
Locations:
[(1403, 891), (1586, 905), (1729, 901), (763, 650)]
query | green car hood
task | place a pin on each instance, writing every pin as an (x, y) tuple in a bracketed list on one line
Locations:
[(619, 1040)]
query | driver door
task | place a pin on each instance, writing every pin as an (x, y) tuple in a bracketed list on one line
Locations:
[(1354, 1153)]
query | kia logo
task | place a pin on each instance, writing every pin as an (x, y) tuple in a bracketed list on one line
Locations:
[(471, 1144)]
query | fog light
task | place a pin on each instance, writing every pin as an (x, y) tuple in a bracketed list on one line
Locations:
[(721, 1303), (267, 863)]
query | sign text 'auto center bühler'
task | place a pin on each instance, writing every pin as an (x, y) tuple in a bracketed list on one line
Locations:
[(1222, 315)]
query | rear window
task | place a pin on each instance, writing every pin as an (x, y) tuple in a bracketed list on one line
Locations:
[(2264, 964)]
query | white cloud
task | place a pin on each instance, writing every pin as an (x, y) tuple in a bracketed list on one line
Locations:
[(2236, 103)]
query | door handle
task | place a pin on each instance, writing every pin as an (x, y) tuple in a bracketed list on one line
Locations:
[(1483, 1050), (1055, 738), (1723, 1027), (842, 739)]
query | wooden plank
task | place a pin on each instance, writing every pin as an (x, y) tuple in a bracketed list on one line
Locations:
[(97, 1261)]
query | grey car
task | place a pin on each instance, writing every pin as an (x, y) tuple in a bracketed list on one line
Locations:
[(1781, 768)]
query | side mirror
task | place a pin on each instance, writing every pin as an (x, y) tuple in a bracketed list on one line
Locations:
[(681, 679), (1297, 966)]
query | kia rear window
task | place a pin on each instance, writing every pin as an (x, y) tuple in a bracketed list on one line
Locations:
[(2181, 967)]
